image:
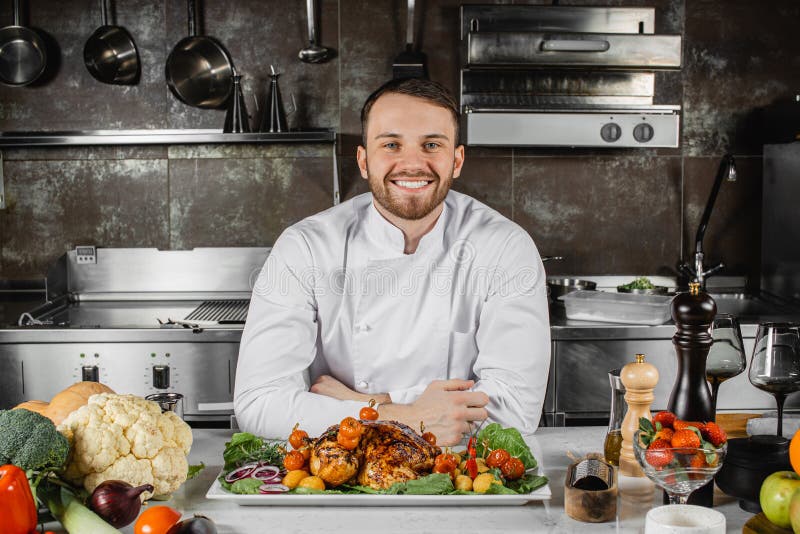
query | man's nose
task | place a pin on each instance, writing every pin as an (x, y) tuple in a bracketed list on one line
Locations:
[(413, 158)]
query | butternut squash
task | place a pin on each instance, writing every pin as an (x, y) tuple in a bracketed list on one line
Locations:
[(65, 402)]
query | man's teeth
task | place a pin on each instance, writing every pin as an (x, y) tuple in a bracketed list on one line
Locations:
[(412, 185)]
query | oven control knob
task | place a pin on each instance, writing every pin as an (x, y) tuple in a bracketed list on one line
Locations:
[(161, 376), (643, 132), (90, 373), (610, 132)]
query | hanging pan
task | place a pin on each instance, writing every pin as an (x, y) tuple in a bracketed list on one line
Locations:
[(199, 69), (110, 53), (22, 53)]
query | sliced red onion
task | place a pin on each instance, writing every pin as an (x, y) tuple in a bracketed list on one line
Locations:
[(272, 488), (240, 473), (267, 473)]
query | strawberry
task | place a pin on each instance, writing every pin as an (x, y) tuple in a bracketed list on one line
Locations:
[(698, 460), (665, 434), (685, 439), (667, 419), (682, 425), (658, 453), (713, 432)]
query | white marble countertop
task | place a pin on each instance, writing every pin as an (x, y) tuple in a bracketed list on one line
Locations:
[(636, 497)]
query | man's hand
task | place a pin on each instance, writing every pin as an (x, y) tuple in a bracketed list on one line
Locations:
[(446, 407), (330, 387)]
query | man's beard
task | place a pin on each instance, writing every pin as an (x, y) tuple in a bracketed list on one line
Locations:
[(410, 207)]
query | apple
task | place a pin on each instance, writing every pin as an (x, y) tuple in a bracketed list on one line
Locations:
[(776, 494), (794, 511)]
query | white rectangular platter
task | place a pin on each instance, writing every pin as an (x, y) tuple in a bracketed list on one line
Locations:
[(216, 491)]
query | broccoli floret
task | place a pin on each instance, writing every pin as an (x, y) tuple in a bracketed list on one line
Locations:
[(30, 441)]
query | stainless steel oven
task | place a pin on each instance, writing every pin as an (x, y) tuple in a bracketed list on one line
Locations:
[(565, 76)]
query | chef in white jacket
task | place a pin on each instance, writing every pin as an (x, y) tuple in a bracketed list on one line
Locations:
[(419, 297)]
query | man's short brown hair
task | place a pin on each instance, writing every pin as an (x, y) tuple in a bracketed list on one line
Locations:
[(434, 92)]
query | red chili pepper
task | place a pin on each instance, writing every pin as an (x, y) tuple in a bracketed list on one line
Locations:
[(17, 507), (471, 448), (472, 468)]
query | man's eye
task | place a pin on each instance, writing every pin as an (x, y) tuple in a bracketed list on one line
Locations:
[(431, 145), (390, 145)]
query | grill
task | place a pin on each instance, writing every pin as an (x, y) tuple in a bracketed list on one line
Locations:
[(220, 311)]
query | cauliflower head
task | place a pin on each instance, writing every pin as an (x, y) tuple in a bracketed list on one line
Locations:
[(125, 437)]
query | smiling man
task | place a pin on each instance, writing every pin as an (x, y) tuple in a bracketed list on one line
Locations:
[(415, 296)]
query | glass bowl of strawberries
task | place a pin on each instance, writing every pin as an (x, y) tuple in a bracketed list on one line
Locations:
[(679, 456)]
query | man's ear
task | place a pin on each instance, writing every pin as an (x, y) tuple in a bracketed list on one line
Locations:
[(361, 157), (458, 161)]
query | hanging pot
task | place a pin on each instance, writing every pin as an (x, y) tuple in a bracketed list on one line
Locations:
[(199, 69), (110, 54), (22, 53)]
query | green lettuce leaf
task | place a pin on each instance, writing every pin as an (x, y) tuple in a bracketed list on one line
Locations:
[(494, 436), (243, 486)]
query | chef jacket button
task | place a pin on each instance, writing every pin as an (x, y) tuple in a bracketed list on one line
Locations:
[(362, 384), (362, 327)]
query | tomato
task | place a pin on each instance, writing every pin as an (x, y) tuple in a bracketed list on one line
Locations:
[(306, 452), (298, 438), (445, 463), (351, 428), (294, 460), (497, 458), (368, 413), (430, 438), (156, 520), (347, 443), (513, 468)]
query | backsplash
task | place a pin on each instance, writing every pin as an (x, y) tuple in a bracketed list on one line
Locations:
[(607, 211)]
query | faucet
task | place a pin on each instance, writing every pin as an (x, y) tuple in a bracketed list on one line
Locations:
[(698, 273)]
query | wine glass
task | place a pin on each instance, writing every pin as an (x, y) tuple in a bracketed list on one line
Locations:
[(726, 358), (775, 367), (679, 471)]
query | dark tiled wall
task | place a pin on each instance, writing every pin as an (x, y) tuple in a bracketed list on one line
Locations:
[(620, 211)]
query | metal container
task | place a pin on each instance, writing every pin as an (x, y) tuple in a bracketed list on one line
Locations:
[(110, 54), (559, 287), (23, 54), (617, 307)]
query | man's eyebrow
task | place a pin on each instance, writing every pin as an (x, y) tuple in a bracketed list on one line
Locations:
[(389, 135), (392, 135)]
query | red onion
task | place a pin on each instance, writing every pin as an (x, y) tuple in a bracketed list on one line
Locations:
[(117, 502), (240, 472), (272, 488), (266, 473), (199, 524)]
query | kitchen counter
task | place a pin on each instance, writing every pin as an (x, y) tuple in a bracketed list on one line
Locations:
[(636, 497)]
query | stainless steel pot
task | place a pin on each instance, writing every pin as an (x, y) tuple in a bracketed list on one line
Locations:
[(561, 286), (199, 68), (22, 53), (110, 54)]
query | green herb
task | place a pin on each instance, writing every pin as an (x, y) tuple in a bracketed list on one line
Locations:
[(243, 486), (494, 436), (526, 484), (641, 282), (244, 448), (194, 470)]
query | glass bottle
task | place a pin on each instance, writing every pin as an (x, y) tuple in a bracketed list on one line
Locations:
[(616, 415)]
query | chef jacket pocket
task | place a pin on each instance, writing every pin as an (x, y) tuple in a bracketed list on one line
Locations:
[(462, 355)]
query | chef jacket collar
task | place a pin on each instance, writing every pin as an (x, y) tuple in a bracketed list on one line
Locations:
[(389, 237)]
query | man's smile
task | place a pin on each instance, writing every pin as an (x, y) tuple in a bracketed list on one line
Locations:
[(411, 185)]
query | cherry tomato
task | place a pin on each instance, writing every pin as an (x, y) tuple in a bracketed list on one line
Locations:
[(294, 460), (368, 413), (430, 438), (298, 438), (497, 458), (347, 443), (156, 520), (351, 428), (306, 452), (513, 468), (444, 463)]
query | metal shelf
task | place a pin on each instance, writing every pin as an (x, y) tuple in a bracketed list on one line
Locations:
[(158, 137)]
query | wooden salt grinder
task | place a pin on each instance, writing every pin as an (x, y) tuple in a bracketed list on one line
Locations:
[(640, 379)]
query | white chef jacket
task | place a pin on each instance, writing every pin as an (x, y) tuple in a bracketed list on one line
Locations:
[(338, 296)]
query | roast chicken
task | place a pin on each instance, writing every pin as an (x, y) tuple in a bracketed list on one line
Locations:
[(388, 452)]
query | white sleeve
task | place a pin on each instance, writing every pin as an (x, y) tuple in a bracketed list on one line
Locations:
[(513, 338), (278, 345)]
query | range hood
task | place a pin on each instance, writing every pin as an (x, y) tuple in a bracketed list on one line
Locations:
[(565, 76)]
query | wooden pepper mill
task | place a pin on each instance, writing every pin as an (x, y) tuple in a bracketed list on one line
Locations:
[(640, 379)]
